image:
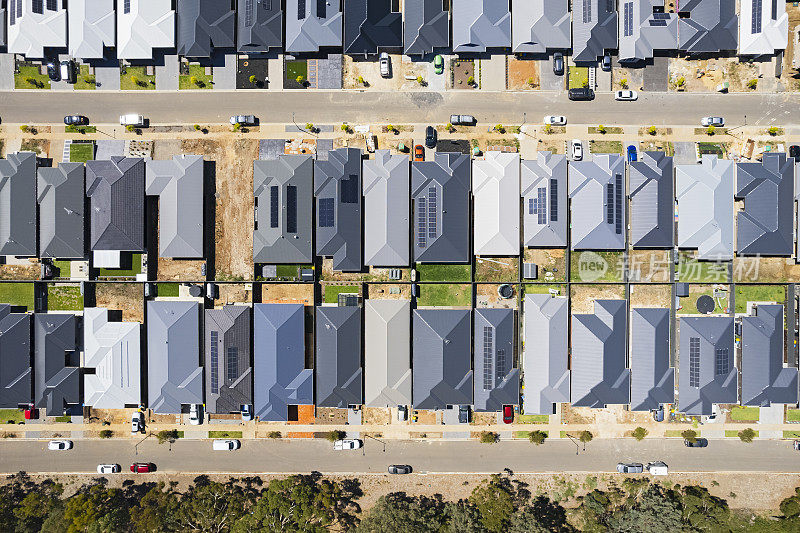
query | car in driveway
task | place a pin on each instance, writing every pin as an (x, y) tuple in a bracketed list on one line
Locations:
[(108, 469), (195, 414), (347, 444), (508, 414), (247, 413), (630, 468), (438, 64), (402, 413), (67, 71), (581, 94), (696, 443), (58, 445), (419, 153), (385, 65), (226, 445), (54, 71), (463, 414), (626, 96), (430, 137), (717, 122), (143, 468), (399, 469), (243, 120), (794, 151), (554, 120), (576, 147), (462, 120), (632, 154), (137, 422), (605, 64), (558, 64), (75, 120)]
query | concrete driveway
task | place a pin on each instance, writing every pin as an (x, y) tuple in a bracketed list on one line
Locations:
[(549, 81)]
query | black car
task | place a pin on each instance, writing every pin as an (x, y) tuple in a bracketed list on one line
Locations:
[(75, 120), (53, 71), (463, 414), (399, 469), (558, 64), (581, 93), (430, 137), (794, 151), (696, 443)]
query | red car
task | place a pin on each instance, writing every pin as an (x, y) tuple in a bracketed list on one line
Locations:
[(419, 153), (142, 468), (508, 414)]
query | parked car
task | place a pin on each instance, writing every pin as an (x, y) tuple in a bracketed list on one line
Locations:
[(717, 122), (658, 414), (131, 120), (348, 444), (553, 120), (577, 149), (419, 153), (59, 445), (226, 445), (630, 468), (657, 468), (508, 414), (137, 423), (463, 414), (195, 414), (697, 443), (247, 413), (108, 469), (402, 413), (243, 120), (385, 64), (558, 64), (796, 445), (67, 71), (463, 120), (75, 120), (581, 94), (606, 63), (399, 469), (430, 137), (626, 95), (31, 412), (53, 72), (143, 468), (438, 64), (632, 155), (794, 151)]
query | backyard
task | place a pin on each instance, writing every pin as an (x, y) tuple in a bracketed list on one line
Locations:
[(332, 292), (444, 295), (580, 270), (17, 294), (136, 78), (30, 77), (168, 289), (196, 78), (64, 298), (758, 293), (133, 267), (437, 272)]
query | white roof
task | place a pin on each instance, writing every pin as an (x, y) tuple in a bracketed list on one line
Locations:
[(150, 24), (31, 32), (112, 349), (765, 34), (496, 193), (92, 25)]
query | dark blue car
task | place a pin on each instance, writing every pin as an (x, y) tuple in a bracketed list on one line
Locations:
[(631, 153)]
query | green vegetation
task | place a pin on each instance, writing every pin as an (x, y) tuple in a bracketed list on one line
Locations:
[(17, 294), (224, 434), (63, 267), (30, 77), (332, 292), (136, 78), (436, 272), (606, 147), (605, 129), (531, 419), (168, 435), (537, 437), (690, 270), (169, 289), (578, 77), (744, 414), (295, 69), (443, 294), (61, 298), (274, 434), (585, 436), (639, 433), (793, 415), (613, 270), (106, 434), (710, 130), (758, 293), (80, 129), (85, 80), (65, 418), (787, 434), (289, 271), (542, 288), (774, 131), (81, 152), (335, 435), (14, 416), (712, 148), (489, 437), (690, 435), (746, 433), (679, 433), (196, 79), (135, 268)]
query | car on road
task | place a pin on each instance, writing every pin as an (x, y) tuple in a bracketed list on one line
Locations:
[(108, 469), (794, 151), (348, 444), (657, 468), (696, 443), (385, 65), (508, 414), (558, 64), (53, 71), (75, 120), (131, 119), (399, 469), (247, 413), (576, 149), (581, 94), (143, 468), (626, 95), (419, 153), (438, 64), (632, 155), (796, 445), (59, 445), (630, 468), (606, 63), (463, 414), (462, 120), (243, 120), (195, 414), (137, 422), (717, 122), (554, 120), (226, 445), (430, 137)]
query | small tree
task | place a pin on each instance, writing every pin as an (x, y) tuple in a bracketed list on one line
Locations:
[(309, 126), (135, 80), (24, 128), (360, 80), (690, 435), (601, 129), (335, 435), (639, 433), (390, 127), (129, 127), (499, 128), (31, 80), (420, 80), (471, 80), (197, 127), (237, 127), (106, 434), (548, 128), (345, 128), (489, 437), (274, 434), (448, 127), (537, 437), (531, 82), (167, 435), (585, 436), (752, 84), (299, 79), (623, 83), (652, 130), (193, 80), (711, 130), (681, 81), (252, 78), (774, 131), (747, 435)]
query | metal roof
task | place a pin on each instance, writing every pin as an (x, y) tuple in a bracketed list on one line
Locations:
[(652, 201), (705, 207), (2, 26), (545, 354), (481, 24), (260, 25), (497, 380), (386, 210), (147, 25), (387, 353), (337, 188), (709, 26), (643, 30), (338, 362), (426, 26), (204, 25), (594, 29), (599, 374), (116, 192), (652, 379), (312, 25), (92, 27), (370, 25), (541, 25), (18, 204), (229, 376), (597, 203), (496, 193), (764, 378), (545, 223), (15, 358), (30, 32), (174, 374), (57, 361), (61, 199), (763, 27)]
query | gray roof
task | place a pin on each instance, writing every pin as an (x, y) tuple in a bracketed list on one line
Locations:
[(652, 200), (599, 375), (497, 382), (541, 25), (370, 25), (481, 24), (387, 353), (652, 379), (287, 238), (762, 34), (204, 25), (308, 28), (705, 207), (545, 354), (175, 376), (545, 224), (597, 223), (386, 210), (147, 25), (337, 188), (797, 199), (116, 192), (442, 370), (178, 182), (711, 26), (57, 361), (15, 358), (446, 180), (594, 29), (92, 25), (765, 225), (260, 25), (61, 199), (338, 349), (764, 378), (231, 386), (280, 374), (642, 31), (18, 204), (2, 26), (495, 193), (426, 26), (30, 32), (713, 377)]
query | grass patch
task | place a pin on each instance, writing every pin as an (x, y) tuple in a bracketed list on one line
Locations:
[(17, 294), (296, 68), (201, 79), (15, 415), (289, 271), (711, 148), (791, 434), (81, 152), (168, 289), (690, 270), (605, 147), (613, 271), (735, 433), (578, 77), (745, 414), (441, 294), (609, 130), (541, 288), (29, 77), (435, 272), (677, 433), (521, 434), (532, 419), (224, 434), (136, 79), (80, 129), (65, 418), (135, 268), (758, 293), (563, 434), (793, 415), (64, 298), (64, 268), (332, 292), (689, 304), (85, 81)]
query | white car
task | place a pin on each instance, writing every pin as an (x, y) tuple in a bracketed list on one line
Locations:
[(195, 416), (657, 468), (226, 445), (347, 444), (577, 149), (626, 95), (131, 120), (59, 445), (553, 120), (385, 64), (717, 122), (137, 423), (108, 469)]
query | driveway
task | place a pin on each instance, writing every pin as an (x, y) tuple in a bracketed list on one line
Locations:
[(167, 73), (547, 80), (685, 153), (6, 72), (655, 77), (107, 76), (225, 73)]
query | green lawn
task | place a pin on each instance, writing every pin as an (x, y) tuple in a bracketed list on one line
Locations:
[(296, 68), (135, 79), (531, 419), (791, 434), (541, 288), (20, 294), (609, 129), (289, 271), (224, 434), (85, 80), (169, 289), (436, 272), (525, 434), (690, 270), (745, 414), (60, 298), (65, 418), (758, 293), (613, 270), (793, 415), (689, 304), (712, 148), (40, 81), (332, 292), (578, 77), (81, 152), (136, 268), (63, 267), (735, 433), (15, 415), (80, 129), (442, 294), (605, 147), (201, 79)]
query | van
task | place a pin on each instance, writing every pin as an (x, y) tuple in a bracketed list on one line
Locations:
[(657, 468), (67, 71), (131, 120), (225, 445)]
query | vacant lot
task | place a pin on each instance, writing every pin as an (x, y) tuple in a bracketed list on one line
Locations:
[(523, 74), (25, 271), (234, 293), (649, 265), (287, 293), (651, 295), (180, 269), (125, 297)]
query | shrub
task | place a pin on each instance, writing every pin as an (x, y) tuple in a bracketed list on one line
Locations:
[(31, 80), (237, 127), (135, 80), (274, 434), (197, 127), (390, 127), (752, 84), (601, 129), (681, 81), (499, 128), (448, 127), (420, 80), (530, 82), (309, 126), (360, 80), (106, 434), (690, 435), (652, 130), (471, 80), (489, 437), (193, 80), (585, 436), (252, 78), (774, 131), (747, 435), (548, 128), (299, 79), (345, 128), (640, 433), (711, 130), (335, 435), (24, 128), (537, 437), (129, 127), (623, 83)]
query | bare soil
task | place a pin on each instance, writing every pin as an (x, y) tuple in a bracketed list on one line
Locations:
[(376, 415), (125, 297), (424, 417), (382, 291), (234, 293), (521, 72), (179, 269), (765, 269), (21, 272), (287, 293), (704, 75), (583, 296), (486, 296), (499, 269), (651, 295), (331, 415), (649, 265), (551, 261)]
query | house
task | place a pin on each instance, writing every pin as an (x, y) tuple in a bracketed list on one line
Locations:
[(111, 361), (645, 29), (57, 360), (494, 340), (442, 370), (440, 191), (763, 27), (15, 353), (205, 25), (652, 201), (386, 210), (178, 183), (765, 225), (338, 357), (426, 26), (229, 376), (143, 26), (61, 200), (3, 25), (765, 379), (544, 200), (652, 379), (337, 188), (599, 374), (92, 28), (260, 26), (707, 26), (539, 26), (387, 353), (481, 24), (312, 26), (594, 29), (174, 374), (544, 353), (708, 373), (35, 27), (597, 203), (18, 204), (371, 26), (496, 193)]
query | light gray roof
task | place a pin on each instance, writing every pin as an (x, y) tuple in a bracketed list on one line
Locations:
[(337, 188), (544, 360), (92, 25), (713, 376), (495, 192), (597, 222), (652, 379), (599, 375), (497, 380), (594, 29), (709, 26), (426, 26), (282, 232), (652, 199), (386, 210), (178, 182), (175, 376), (705, 207), (18, 204), (229, 386), (764, 378), (308, 29), (370, 25), (387, 353), (147, 25), (260, 25), (446, 181), (57, 361), (763, 27), (61, 199), (481, 24), (765, 225), (2, 26), (545, 224), (15, 358), (204, 25), (541, 25), (31, 31), (338, 367), (280, 374), (797, 199), (116, 192), (643, 30)]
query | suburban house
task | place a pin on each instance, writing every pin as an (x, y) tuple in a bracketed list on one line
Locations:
[(143, 26), (337, 188), (259, 26), (494, 340), (540, 26), (496, 193), (338, 370), (479, 25), (652, 201), (594, 29), (228, 374), (16, 375), (597, 203), (545, 354), (707, 26), (708, 373), (61, 216), (36, 28), (57, 362), (371, 26), (645, 29), (312, 26), (386, 210), (544, 200), (18, 204), (92, 28), (652, 379), (426, 27), (387, 353), (204, 26), (763, 27)]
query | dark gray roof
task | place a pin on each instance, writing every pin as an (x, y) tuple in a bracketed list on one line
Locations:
[(652, 201), (642, 30), (15, 358), (338, 348), (497, 382), (446, 181), (204, 25), (713, 376), (426, 26), (481, 24), (599, 375), (540, 25), (545, 225), (652, 379), (337, 188), (386, 210), (387, 353), (442, 373), (545, 354), (61, 199), (229, 386), (116, 192), (280, 374), (765, 225), (57, 361), (594, 29), (370, 25), (711, 26), (18, 204), (764, 378), (311, 25), (260, 25), (597, 223)]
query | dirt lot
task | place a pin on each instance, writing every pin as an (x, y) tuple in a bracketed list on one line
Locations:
[(765, 269), (234, 293), (369, 274), (369, 69), (608, 416), (383, 291), (114, 416), (331, 415), (287, 292), (40, 146), (423, 416), (552, 263), (125, 297), (486, 296), (21, 272), (714, 72), (179, 269), (551, 145), (500, 269), (523, 74), (649, 265), (651, 295), (582, 296), (376, 415)]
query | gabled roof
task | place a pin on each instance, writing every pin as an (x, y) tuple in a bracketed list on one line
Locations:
[(283, 233), (652, 379), (338, 347), (481, 24), (765, 225), (495, 192), (174, 374), (594, 29), (426, 26), (497, 380), (599, 375), (545, 223), (92, 27), (260, 25), (31, 30), (370, 25), (597, 203), (311, 25), (18, 204), (386, 210), (337, 188), (178, 182), (442, 373), (644, 28), (229, 376), (387, 353), (544, 359), (709, 26), (441, 233), (56, 362), (280, 376), (764, 378), (113, 350), (15, 358), (61, 199), (204, 25), (541, 25), (652, 200), (705, 207), (709, 376), (116, 192), (144, 25), (763, 27)]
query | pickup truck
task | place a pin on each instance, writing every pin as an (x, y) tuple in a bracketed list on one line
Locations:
[(131, 120), (347, 444)]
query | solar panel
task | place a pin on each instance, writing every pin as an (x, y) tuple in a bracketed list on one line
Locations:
[(233, 363), (609, 204), (214, 362), (422, 222), (774, 10), (587, 11), (321, 9), (722, 362), (326, 212), (500, 365), (553, 200), (249, 7), (628, 17), (541, 205), (618, 204), (757, 12), (19, 8), (273, 206), (37, 6), (694, 361), (126, 7), (52, 5), (301, 9), (291, 209), (531, 206), (350, 189), (488, 357), (432, 207), (12, 13)]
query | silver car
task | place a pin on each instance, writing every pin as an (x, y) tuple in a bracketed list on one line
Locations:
[(717, 122), (243, 120), (630, 468)]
